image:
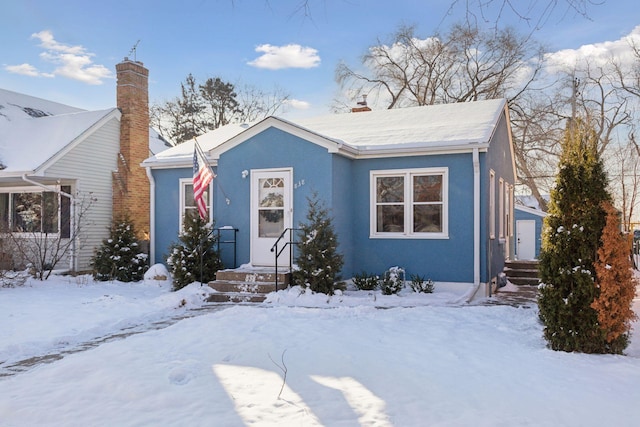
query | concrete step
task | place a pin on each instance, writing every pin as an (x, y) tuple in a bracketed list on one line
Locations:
[(233, 297), (525, 265), (247, 285), (244, 287), (519, 272), (529, 281), (522, 273), (254, 275)]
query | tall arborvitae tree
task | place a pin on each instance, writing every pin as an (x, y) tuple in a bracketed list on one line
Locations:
[(318, 260), (120, 257), (616, 285), (194, 257), (570, 244)]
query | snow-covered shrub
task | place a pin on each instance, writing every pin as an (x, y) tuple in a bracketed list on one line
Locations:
[(318, 261), (366, 281), (419, 284), (157, 273), (194, 257), (120, 257), (393, 281), (11, 278)]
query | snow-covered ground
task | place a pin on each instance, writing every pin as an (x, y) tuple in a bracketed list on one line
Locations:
[(141, 355)]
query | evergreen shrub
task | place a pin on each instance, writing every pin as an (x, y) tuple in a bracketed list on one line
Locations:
[(392, 281), (194, 257), (366, 281), (419, 284), (318, 261), (120, 257)]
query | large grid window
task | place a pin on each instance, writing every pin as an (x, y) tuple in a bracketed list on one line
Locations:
[(35, 212), (411, 203)]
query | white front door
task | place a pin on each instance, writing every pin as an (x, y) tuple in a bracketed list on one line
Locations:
[(526, 239), (271, 213)]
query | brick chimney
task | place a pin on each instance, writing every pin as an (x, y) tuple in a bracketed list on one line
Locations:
[(363, 107), (130, 182)]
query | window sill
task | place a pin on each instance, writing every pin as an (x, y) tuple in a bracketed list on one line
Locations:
[(422, 236)]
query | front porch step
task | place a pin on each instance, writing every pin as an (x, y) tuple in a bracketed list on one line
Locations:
[(254, 275), (246, 285), (522, 273), (237, 298)]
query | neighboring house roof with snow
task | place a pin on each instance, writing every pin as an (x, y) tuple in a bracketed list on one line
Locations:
[(527, 200), (33, 130), (382, 132), (532, 211), (26, 144), (14, 105)]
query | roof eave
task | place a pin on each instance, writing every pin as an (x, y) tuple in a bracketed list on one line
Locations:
[(426, 150), (182, 162)]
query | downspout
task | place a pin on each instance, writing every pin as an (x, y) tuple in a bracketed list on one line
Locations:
[(72, 214), (476, 224), (152, 216)]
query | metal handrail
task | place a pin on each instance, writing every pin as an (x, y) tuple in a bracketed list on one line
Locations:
[(277, 252), (234, 241)]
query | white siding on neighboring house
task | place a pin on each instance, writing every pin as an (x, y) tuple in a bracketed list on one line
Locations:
[(91, 163)]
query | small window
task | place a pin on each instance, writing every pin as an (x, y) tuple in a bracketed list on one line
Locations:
[(492, 204), (410, 203), (501, 190), (508, 210), (187, 203)]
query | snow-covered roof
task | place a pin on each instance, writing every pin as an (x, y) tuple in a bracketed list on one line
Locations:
[(444, 124), (32, 130), (434, 127), (27, 143)]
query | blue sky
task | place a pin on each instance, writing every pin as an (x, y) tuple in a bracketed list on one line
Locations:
[(66, 51)]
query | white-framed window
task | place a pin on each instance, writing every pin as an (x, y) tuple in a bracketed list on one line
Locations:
[(410, 203), (508, 210), (501, 207), (492, 204), (188, 204), (23, 210)]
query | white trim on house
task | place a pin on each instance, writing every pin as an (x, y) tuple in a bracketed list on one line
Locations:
[(408, 203), (476, 220), (152, 214), (261, 245)]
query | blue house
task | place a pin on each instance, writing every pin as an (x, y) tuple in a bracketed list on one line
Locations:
[(429, 189)]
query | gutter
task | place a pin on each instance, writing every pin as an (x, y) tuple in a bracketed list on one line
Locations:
[(72, 215), (476, 223), (152, 215), (476, 228)]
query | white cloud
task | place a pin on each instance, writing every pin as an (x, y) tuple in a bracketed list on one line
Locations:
[(298, 104), (597, 54), (26, 70), (288, 56), (47, 41), (72, 62)]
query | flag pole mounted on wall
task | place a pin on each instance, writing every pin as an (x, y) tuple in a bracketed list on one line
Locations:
[(202, 177)]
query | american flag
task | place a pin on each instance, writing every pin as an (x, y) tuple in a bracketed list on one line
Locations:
[(202, 176)]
